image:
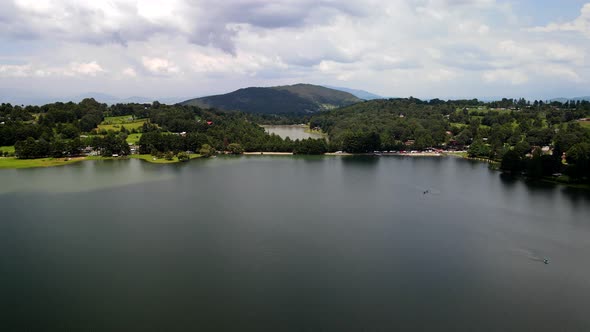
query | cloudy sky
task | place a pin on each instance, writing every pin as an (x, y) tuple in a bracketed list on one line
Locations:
[(189, 48)]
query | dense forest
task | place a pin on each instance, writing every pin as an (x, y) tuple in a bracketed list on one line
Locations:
[(66, 129), (536, 138)]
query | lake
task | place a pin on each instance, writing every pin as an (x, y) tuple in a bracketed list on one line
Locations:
[(291, 244), (293, 132)]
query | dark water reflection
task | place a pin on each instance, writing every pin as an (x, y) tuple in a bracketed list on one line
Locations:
[(291, 244)]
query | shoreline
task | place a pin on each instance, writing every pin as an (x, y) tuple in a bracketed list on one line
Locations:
[(268, 153), (15, 163)]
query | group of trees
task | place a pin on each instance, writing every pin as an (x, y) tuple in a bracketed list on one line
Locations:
[(57, 147), (571, 142), (158, 141), (511, 131), (55, 130), (386, 124)]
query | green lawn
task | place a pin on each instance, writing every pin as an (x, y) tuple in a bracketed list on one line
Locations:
[(152, 159), (585, 124), (115, 122), (9, 149), (133, 138), (459, 125), (119, 119), (12, 162), (117, 126)]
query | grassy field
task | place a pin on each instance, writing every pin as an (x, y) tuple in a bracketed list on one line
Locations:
[(120, 119), (152, 159), (115, 122), (133, 138), (117, 127), (585, 124), (43, 162), (9, 149), (12, 162)]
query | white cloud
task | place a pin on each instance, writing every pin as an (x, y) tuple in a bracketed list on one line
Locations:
[(129, 72), (556, 71), (513, 77), (393, 47), (73, 69), (15, 70), (581, 24), (160, 66), (89, 68), (441, 75)]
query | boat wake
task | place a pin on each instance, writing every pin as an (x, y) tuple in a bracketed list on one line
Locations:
[(531, 255)]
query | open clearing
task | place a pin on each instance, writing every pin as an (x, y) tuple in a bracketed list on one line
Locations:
[(115, 123), (133, 138), (9, 149), (12, 162)]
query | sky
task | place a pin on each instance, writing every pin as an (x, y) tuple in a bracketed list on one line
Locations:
[(191, 48)]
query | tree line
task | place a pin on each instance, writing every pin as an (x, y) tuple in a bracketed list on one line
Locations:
[(65, 129), (535, 138)]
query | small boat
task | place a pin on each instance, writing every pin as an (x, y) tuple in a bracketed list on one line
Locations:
[(546, 261)]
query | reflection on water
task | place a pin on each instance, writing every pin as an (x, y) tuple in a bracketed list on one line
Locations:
[(85, 176), (291, 243), (361, 161)]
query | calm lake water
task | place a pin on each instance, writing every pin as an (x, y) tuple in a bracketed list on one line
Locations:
[(291, 244), (293, 132)]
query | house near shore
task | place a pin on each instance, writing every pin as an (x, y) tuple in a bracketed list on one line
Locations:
[(89, 151), (409, 142)]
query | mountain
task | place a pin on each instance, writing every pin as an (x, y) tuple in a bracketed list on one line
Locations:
[(298, 98), (563, 100), (362, 94)]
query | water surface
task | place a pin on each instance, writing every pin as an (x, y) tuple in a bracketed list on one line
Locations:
[(293, 132), (291, 244)]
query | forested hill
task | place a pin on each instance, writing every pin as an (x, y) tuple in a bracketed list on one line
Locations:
[(298, 98)]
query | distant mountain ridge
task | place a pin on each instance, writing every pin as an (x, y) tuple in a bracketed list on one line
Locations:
[(22, 97), (362, 94), (298, 98)]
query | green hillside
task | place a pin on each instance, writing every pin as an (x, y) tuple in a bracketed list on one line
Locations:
[(299, 98)]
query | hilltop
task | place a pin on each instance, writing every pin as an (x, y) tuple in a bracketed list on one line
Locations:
[(298, 98)]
